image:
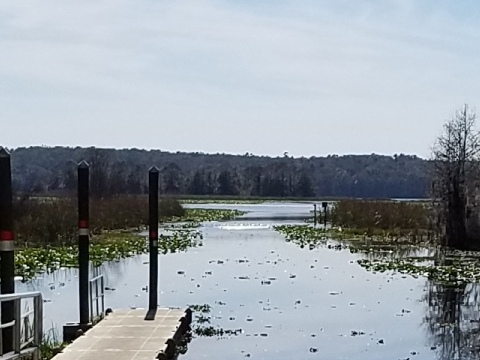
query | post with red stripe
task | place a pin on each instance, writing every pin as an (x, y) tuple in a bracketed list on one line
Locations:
[(153, 240), (7, 246), (83, 240)]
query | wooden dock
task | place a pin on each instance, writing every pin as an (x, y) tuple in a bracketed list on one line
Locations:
[(126, 335)]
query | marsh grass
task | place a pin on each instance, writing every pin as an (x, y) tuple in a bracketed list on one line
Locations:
[(53, 221), (51, 345), (387, 219)]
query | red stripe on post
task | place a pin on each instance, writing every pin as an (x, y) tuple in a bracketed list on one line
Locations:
[(83, 224), (6, 235), (153, 234)]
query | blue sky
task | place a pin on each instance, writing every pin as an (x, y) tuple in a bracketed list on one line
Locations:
[(265, 77)]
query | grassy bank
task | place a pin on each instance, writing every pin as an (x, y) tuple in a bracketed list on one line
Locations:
[(53, 221), (250, 199), (380, 215), (391, 220), (376, 222), (389, 237), (47, 232)]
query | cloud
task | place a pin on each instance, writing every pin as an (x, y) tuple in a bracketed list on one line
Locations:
[(308, 77)]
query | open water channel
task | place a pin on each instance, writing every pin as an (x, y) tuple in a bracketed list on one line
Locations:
[(286, 302)]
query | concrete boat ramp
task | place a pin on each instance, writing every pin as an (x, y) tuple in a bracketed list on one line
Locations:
[(126, 335)]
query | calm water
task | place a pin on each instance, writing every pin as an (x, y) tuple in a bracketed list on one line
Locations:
[(290, 303)]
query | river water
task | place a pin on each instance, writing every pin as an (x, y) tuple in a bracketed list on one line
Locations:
[(290, 303)]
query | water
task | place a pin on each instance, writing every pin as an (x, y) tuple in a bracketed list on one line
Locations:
[(268, 210), (290, 303)]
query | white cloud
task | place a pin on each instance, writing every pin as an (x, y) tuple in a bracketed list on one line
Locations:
[(313, 77)]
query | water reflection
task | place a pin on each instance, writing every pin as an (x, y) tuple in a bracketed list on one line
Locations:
[(391, 251), (452, 315), (452, 320)]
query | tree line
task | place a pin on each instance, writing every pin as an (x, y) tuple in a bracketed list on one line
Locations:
[(124, 171)]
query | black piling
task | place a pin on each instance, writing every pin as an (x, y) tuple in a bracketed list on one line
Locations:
[(83, 240), (7, 246), (315, 215), (153, 242), (325, 205)]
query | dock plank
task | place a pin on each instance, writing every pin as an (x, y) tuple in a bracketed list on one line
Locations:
[(125, 335)]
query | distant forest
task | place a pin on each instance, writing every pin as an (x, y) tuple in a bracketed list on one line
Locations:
[(40, 170)]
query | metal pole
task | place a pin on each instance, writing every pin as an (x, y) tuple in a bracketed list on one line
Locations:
[(83, 240), (7, 247), (325, 205), (153, 237), (315, 215)]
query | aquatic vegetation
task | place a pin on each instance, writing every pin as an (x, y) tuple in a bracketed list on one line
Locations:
[(194, 217), (112, 246), (357, 240), (210, 331), (179, 239), (313, 237), (201, 215), (222, 201), (51, 345), (205, 308), (455, 273), (462, 270), (186, 225), (201, 325), (109, 247), (303, 235)]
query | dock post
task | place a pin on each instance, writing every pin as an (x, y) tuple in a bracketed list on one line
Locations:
[(315, 215), (325, 205), (83, 240), (153, 174), (7, 246)]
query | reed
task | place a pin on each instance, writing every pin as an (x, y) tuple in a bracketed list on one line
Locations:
[(372, 215), (53, 221)]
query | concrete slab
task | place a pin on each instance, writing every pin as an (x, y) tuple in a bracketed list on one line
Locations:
[(125, 335)]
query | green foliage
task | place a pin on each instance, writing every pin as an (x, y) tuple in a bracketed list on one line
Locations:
[(234, 201), (125, 172), (459, 272), (51, 345), (226, 183), (109, 247), (302, 235), (359, 240), (112, 246), (199, 215), (179, 239)]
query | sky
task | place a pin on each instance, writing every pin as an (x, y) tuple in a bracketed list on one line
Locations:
[(309, 78)]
